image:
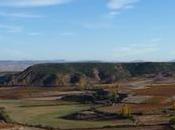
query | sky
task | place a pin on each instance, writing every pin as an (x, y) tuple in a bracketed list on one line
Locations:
[(79, 30)]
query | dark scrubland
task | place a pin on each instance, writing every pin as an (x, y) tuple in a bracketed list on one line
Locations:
[(71, 74)]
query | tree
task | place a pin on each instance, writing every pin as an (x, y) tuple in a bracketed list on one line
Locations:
[(125, 111), (118, 89), (115, 93), (82, 84), (61, 80), (173, 106), (115, 90)]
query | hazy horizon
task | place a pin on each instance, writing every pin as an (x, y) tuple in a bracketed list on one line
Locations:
[(84, 30), (83, 61)]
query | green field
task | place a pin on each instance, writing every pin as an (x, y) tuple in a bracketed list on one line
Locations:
[(49, 113)]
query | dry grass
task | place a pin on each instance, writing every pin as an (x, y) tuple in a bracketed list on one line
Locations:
[(6, 126), (28, 92), (157, 100), (157, 90), (135, 108)]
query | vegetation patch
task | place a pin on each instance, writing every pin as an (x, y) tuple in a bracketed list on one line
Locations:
[(94, 115), (4, 116)]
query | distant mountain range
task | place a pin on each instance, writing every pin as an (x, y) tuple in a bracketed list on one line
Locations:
[(13, 66)]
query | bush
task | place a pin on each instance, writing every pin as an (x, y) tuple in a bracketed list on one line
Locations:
[(172, 121), (126, 111), (4, 116)]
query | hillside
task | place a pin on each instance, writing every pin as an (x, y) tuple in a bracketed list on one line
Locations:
[(61, 74)]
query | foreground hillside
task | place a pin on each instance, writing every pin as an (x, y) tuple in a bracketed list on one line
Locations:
[(65, 74)]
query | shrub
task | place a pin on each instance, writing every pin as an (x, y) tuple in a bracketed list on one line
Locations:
[(4, 116), (126, 111), (172, 121)]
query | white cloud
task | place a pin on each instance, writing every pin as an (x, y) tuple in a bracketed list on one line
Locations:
[(156, 40), (19, 15), (11, 29), (67, 34), (118, 5), (32, 3), (113, 13), (34, 34), (136, 50), (97, 25)]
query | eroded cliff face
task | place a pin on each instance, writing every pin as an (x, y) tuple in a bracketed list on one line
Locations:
[(74, 73)]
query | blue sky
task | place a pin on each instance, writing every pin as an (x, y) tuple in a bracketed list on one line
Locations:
[(110, 30)]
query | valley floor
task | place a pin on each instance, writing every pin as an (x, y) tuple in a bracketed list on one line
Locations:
[(150, 105)]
